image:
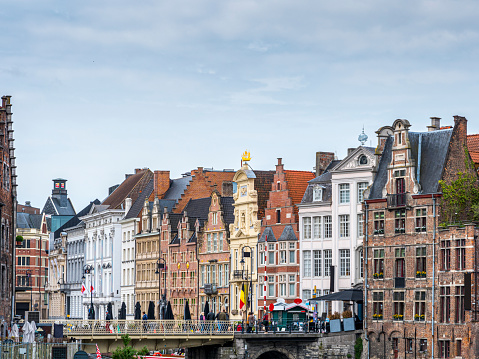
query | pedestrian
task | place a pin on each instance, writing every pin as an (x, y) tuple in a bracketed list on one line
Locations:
[(265, 322), (145, 319), (202, 321), (222, 318), (251, 321)]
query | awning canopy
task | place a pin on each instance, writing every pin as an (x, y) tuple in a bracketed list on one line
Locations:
[(354, 295)]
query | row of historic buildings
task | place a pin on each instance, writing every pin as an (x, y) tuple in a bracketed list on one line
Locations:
[(376, 220)]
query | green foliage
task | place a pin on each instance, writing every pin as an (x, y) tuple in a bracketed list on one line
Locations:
[(126, 339), (143, 351), (460, 198), (358, 348), (127, 352), (19, 238)]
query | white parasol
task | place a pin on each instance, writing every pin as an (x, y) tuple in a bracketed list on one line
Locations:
[(26, 332)]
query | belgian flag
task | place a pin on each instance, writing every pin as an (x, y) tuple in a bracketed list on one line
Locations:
[(242, 297)]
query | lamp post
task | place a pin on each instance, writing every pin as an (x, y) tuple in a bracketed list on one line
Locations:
[(243, 255), (160, 265), (87, 269), (28, 272)]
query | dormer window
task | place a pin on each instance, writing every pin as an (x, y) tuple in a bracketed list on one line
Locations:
[(317, 193), (363, 160)]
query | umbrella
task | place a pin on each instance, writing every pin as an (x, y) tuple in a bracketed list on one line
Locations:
[(91, 313), (137, 311), (15, 333), (33, 329), (110, 311), (355, 295), (206, 309), (151, 311), (187, 311), (26, 332), (123, 311), (169, 313)]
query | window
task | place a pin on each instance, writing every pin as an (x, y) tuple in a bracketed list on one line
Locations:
[(271, 286), (306, 294), (421, 219), (361, 188), (400, 253), (317, 193), (446, 255), (261, 254), (282, 253), (278, 216), (221, 242), (378, 223), (208, 236), (400, 221), (345, 262), (282, 285), (460, 254), (316, 227), (328, 261), (227, 278), (444, 304), (307, 263), (422, 345), (409, 345), (317, 263), (460, 311), (378, 303), (458, 348), (344, 225), (363, 160), (307, 227), (420, 306), (344, 193), (270, 257), (292, 285), (214, 215), (398, 302), (421, 262), (328, 226), (292, 253), (444, 348), (361, 264), (360, 225), (215, 242)]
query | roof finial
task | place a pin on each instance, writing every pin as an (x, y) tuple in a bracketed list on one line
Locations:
[(363, 137)]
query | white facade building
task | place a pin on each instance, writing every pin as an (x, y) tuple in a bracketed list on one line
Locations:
[(75, 263), (103, 252), (331, 227)]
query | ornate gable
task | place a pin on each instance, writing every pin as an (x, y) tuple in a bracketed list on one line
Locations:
[(359, 159)]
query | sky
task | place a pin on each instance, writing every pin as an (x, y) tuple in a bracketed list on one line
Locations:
[(101, 88)]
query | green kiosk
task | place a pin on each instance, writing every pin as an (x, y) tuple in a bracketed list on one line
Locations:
[(285, 316)]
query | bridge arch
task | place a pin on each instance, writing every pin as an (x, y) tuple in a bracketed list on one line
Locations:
[(277, 353)]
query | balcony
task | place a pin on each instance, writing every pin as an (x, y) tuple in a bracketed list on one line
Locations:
[(238, 274), (399, 282), (398, 200), (211, 288)]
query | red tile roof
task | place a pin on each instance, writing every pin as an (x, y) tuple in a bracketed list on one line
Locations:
[(131, 187), (297, 183), (473, 147)]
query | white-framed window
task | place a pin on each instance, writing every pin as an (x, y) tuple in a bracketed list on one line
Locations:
[(344, 225), (317, 193), (360, 225), (282, 285), (307, 263), (328, 261), (271, 286), (215, 217), (261, 254), (292, 285), (220, 275), (361, 188), (307, 227), (306, 294), (208, 236), (316, 227), (328, 226), (344, 193), (221, 241), (292, 252), (215, 242), (317, 263), (227, 277), (270, 257), (345, 262)]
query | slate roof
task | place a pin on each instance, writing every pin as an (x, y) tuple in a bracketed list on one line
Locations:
[(198, 208), (175, 240), (175, 218), (27, 220), (75, 220), (131, 187), (228, 210), (137, 206), (53, 207), (432, 154), (177, 187), (193, 238), (288, 234), (267, 232)]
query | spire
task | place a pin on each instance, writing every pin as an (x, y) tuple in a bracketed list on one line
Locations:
[(363, 137)]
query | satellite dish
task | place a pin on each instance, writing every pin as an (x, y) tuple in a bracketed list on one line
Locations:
[(280, 300)]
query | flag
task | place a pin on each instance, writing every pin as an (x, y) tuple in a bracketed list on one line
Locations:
[(83, 289), (91, 288), (98, 354), (242, 297)]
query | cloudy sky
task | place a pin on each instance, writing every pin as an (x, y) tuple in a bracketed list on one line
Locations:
[(101, 88)]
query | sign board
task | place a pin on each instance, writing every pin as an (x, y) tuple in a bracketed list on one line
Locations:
[(271, 307), (298, 301)]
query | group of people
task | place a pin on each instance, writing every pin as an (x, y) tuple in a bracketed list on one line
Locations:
[(252, 322), (208, 319)]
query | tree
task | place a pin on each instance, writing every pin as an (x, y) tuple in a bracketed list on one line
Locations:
[(127, 352)]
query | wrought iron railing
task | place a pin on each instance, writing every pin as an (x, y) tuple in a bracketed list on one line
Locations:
[(397, 200)]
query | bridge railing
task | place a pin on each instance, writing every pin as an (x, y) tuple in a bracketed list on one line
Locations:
[(81, 327)]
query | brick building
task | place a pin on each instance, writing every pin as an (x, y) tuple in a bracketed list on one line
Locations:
[(31, 271), (8, 193), (280, 232), (419, 286)]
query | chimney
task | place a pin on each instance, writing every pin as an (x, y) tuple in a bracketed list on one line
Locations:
[(28, 203), (128, 202), (435, 124), (350, 150), (137, 170), (460, 127), (161, 183), (280, 166), (323, 159)]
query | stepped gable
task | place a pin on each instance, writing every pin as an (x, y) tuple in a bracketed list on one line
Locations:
[(203, 182), (131, 187), (262, 185), (297, 182)]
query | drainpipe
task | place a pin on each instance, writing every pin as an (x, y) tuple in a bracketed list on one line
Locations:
[(433, 269), (365, 260)]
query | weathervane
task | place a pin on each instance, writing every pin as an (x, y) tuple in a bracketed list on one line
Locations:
[(363, 137), (245, 157)]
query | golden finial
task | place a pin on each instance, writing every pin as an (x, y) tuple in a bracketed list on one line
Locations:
[(246, 156)]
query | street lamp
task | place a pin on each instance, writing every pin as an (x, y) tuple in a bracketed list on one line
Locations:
[(160, 265), (88, 269), (243, 255), (28, 272)]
